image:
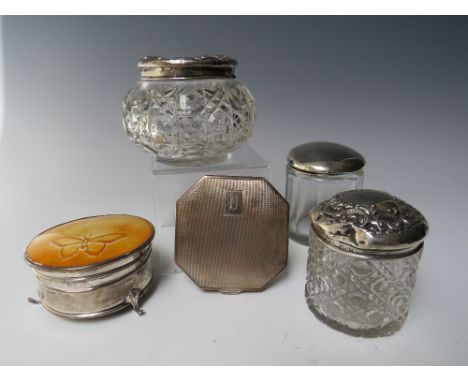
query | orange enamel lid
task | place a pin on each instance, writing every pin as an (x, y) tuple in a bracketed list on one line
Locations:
[(89, 241)]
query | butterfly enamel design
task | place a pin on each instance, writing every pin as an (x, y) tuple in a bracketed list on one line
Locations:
[(87, 244)]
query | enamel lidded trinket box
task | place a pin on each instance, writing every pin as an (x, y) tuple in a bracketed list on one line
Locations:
[(94, 266)]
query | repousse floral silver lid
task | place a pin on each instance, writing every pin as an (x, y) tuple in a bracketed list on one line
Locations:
[(369, 222), (325, 158)]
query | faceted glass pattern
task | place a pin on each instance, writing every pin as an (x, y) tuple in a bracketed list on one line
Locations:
[(189, 121), (363, 297), (305, 191)]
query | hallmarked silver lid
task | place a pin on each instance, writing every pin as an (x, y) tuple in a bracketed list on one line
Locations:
[(364, 221), (154, 67), (325, 158)]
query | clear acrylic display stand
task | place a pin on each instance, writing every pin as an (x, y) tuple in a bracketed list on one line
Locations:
[(170, 181)]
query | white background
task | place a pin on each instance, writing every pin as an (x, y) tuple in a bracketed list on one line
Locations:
[(395, 90)]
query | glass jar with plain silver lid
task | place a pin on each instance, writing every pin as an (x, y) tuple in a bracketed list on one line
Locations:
[(189, 110), (365, 247), (315, 172)]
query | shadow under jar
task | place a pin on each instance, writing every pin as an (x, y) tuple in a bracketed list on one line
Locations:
[(189, 111), (315, 172), (365, 248)]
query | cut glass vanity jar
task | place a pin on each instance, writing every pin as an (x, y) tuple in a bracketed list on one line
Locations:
[(315, 172), (365, 248), (94, 266), (189, 111)]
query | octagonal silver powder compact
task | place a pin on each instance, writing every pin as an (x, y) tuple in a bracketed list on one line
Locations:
[(231, 233)]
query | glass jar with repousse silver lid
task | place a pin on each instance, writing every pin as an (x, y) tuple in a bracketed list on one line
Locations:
[(189, 110), (365, 248), (315, 172)]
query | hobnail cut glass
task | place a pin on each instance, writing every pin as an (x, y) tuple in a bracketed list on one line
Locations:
[(189, 121), (361, 297)]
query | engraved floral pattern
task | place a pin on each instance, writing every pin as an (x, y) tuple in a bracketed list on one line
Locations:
[(391, 216), (368, 219), (87, 244)]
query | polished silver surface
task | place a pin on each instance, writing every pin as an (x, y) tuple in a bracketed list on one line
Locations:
[(325, 158), (98, 290), (154, 67), (369, 222), (231, 233)]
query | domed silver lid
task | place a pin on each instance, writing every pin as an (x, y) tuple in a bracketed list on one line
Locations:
[(325, 158), (154, 67), (364, 221)]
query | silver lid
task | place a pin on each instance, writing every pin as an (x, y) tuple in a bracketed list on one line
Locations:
[(325, 158), (154, 67), (364, 221)]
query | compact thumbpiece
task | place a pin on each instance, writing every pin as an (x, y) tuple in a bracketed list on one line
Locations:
[(189, 110), (315, 172), (231, 233), (365, 248), (93, 266)]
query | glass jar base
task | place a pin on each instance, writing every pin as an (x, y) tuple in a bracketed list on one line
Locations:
[(194, 161), (383, 331)]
